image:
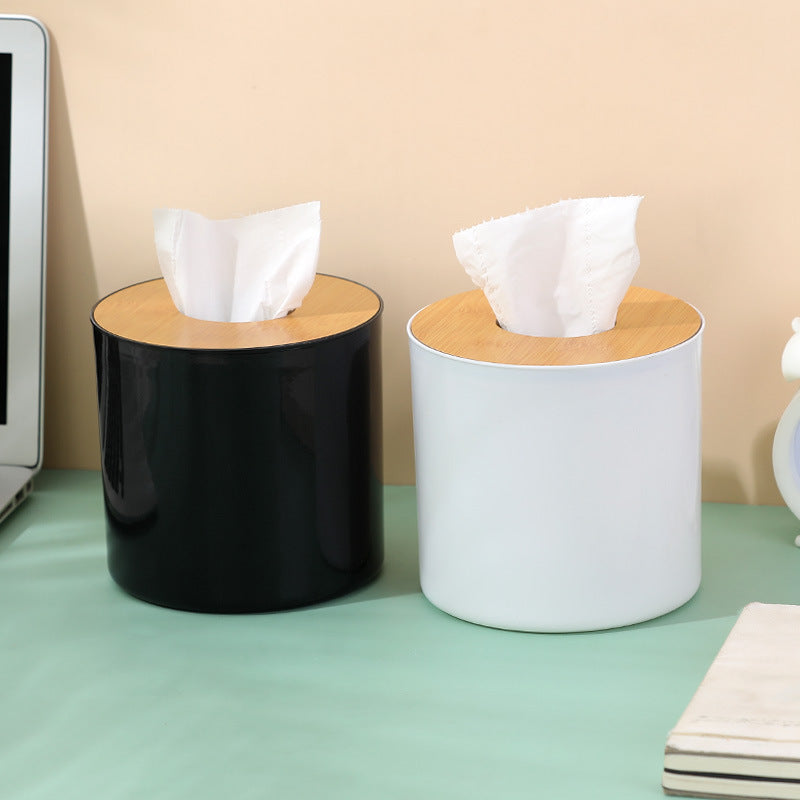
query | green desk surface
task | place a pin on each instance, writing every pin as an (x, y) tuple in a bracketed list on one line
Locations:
[(376, 695)]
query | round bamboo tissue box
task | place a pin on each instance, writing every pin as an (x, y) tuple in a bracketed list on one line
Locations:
[(558, 480), (241, 461)]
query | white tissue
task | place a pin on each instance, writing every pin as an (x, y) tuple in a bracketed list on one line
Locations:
[(561, 270), (238, 270)]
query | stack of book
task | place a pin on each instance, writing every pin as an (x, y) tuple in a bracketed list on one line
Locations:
[(740, 734)]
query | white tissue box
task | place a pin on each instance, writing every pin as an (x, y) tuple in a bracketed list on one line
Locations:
[(558, 479)]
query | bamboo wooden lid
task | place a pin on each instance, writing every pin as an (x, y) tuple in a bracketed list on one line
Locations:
[(464, 325), (145, 313)]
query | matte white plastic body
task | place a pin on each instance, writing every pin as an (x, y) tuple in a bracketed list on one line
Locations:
[(561, 498)]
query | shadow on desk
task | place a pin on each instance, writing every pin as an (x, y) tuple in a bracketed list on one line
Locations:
[(13, 526), (400, 573)]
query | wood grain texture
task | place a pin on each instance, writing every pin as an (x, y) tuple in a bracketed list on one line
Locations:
[(145, 313), (464, 325)]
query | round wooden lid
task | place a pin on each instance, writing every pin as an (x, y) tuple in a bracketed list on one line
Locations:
[(145, 313), (464, 325)]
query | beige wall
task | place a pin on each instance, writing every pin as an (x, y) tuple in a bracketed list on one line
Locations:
[(413, 119)]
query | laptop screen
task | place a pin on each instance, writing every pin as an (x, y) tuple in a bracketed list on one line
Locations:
[(5, 177), (23, 196)]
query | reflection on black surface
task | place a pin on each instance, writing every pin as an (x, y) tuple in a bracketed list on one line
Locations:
[(243, 480)]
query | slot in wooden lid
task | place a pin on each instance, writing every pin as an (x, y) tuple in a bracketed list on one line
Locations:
[(145, 313), (464, 325)]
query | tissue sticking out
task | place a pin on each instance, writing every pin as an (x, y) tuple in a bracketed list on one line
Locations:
[(247, 269), (561, 270)]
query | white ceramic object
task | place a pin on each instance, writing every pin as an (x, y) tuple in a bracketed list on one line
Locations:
[(558, 498), (786, 444), (786, 455)]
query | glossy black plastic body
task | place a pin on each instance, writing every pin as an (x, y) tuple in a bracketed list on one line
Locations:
[(242, 480)]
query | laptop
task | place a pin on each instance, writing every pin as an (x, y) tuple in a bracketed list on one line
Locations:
[(24, 57)]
